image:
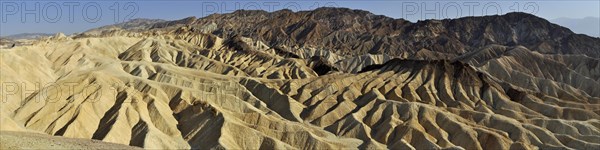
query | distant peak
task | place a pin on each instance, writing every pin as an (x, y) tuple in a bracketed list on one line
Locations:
[(190, 18), (284, 10), (340, 10), (145, 20), (249, 12), (520, 15)]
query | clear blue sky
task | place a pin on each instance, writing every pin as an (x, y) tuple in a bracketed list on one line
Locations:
[(69, 17)]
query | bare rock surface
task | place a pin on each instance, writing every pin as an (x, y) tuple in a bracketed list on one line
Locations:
[(319, 79)]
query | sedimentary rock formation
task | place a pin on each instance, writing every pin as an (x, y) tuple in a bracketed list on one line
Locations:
[(325, 79)]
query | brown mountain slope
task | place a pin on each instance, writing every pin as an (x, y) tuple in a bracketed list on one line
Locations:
[(356, 32)]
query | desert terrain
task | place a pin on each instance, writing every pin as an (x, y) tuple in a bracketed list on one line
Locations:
[(330, 78)]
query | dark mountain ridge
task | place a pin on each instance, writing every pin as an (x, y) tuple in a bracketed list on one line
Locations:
[(357, 32)]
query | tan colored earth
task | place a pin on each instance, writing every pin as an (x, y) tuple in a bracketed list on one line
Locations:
[(27, 140), (178, 88)]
